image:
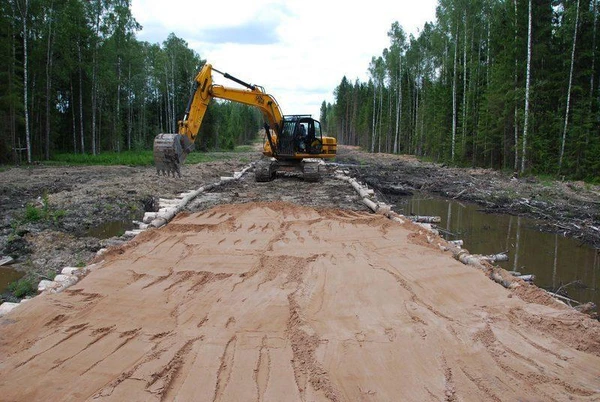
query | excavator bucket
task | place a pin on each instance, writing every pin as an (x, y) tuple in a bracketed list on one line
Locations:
[(169, 154)]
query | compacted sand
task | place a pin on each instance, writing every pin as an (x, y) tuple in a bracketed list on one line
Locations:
[(276, 302)]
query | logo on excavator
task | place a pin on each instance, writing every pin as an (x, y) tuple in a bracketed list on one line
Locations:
[(259, 99)]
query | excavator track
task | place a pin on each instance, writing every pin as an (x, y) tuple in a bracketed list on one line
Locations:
[(263, 170), (310, 170)]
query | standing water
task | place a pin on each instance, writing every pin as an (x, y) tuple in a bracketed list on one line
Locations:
[(557, 262), (7, 276)]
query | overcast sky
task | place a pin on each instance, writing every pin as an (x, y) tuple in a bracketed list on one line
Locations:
[(298, 50)]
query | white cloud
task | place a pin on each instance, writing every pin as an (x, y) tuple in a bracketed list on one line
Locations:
[(299, 50)]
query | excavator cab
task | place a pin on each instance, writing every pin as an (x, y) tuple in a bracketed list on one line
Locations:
[(301, 134)]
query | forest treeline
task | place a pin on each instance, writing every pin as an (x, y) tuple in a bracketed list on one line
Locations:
[(74, 78), (509, 84)]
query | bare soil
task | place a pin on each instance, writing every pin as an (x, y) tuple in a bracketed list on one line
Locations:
[(275, 301), (283, 291)]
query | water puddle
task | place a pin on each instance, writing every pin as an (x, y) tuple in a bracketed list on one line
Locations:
[(556, 261), (109, 229), (7, 276)]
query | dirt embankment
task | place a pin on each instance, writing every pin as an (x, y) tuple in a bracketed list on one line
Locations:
[(274, 301)]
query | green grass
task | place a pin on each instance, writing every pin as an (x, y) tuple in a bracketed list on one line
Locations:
[(244, 148), (21, 288), (130, 158), (139, 158)]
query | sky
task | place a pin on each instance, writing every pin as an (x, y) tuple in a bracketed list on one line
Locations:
[(298, 50)]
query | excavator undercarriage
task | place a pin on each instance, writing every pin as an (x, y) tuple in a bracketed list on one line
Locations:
[(267, 168)]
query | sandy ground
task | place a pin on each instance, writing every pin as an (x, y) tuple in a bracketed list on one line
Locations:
[(277, 302)]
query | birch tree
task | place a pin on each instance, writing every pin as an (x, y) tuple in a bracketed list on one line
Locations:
[(24, 12), (454, 106), (527, 91), (567, 108)]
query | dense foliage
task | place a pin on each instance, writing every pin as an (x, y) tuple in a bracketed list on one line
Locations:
[(74, 78), (457, 91)]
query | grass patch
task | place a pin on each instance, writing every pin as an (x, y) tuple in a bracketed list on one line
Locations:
[(139, 158), (244, 148), (33, 214), (129, 158), (42, 213), (21, 288)]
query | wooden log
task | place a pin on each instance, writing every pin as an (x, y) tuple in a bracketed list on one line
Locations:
[(45, 284), (469, 259), (167, 209), (6, 307), (6, 260), (149, 217), (168, 201), (372, 206), (71, 271), (383, 209), (526, 278), (561, 297), (425, 219), (496, 277), (493, 258), (64, 282), (364, 193), (342, 177), (587, 308)]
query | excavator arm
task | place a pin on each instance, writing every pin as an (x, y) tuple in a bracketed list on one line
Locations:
[(171, 150)]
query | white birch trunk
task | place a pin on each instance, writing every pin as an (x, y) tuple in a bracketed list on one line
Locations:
[(527, 90), (173, 115), (118, 110), (454, 94), (380, 117), (82, 136), (24, 15), (398, 106), (515, 79), (48, 82), (592, 73), (129, 106), (464, 100), (73, 118), (564, 134), (374, 114), (94, 77)]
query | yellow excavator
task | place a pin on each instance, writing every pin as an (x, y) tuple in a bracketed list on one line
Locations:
[(292, 142)]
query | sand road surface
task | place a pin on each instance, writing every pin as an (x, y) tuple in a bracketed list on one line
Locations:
[(276, 302)]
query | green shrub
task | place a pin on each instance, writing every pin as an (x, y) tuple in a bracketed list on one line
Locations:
[(32, 214), (21, 288)]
